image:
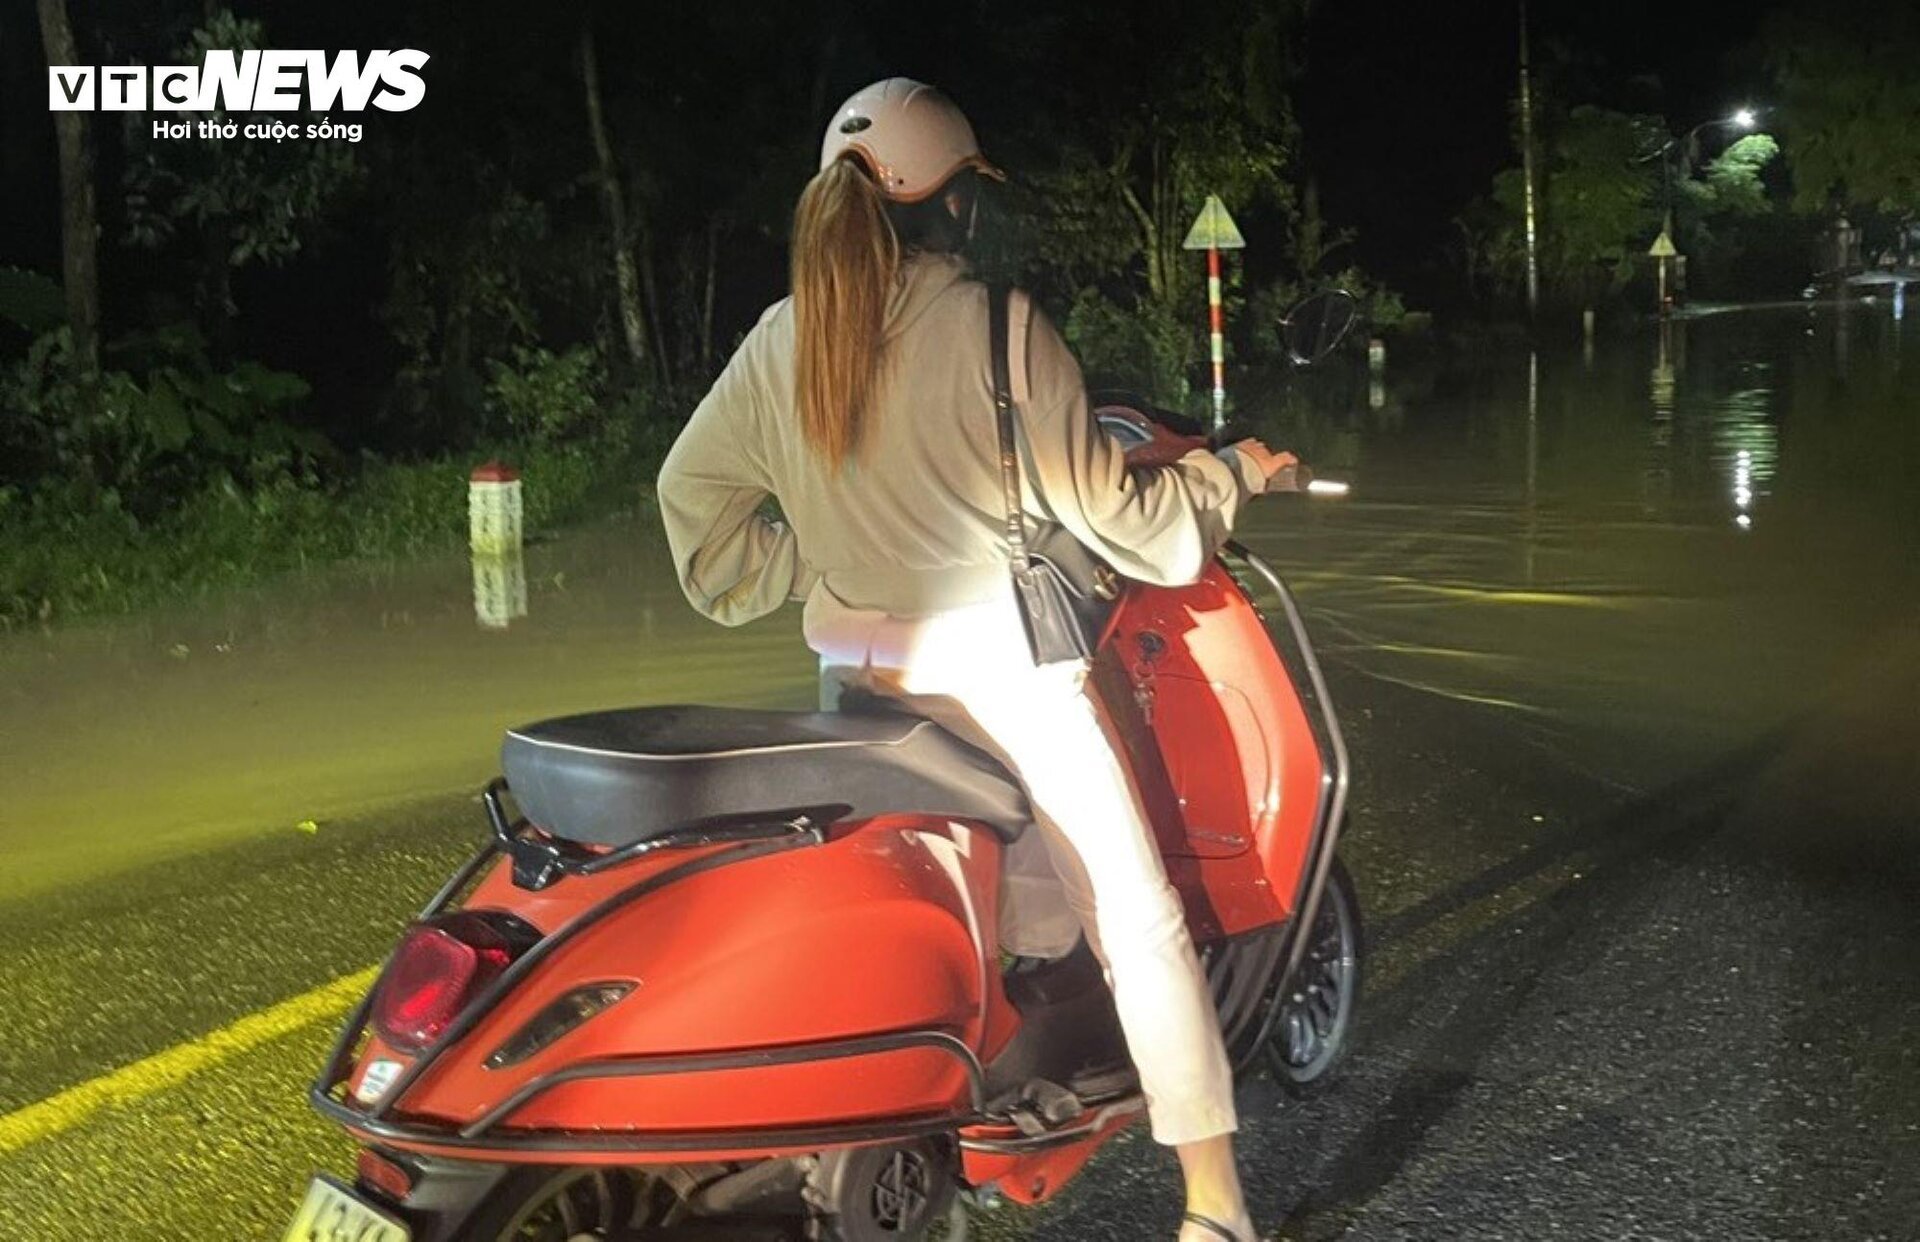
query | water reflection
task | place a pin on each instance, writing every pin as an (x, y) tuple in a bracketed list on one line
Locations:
[(499, 587), (1532, 542), (1657, 474), (1746, 441), (1663, 385), (1582, 548)]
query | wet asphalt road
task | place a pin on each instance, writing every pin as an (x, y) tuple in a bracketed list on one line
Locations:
[(1639, 1016), (1590, 1012)]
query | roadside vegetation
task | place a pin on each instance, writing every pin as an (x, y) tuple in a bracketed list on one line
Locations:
[(1833, 94), (255, 357), (259, 357)]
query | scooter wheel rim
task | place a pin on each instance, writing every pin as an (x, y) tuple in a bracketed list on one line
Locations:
[(1316, 1011)]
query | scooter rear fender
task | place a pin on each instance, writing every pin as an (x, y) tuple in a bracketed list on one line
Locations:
[(842, 983)]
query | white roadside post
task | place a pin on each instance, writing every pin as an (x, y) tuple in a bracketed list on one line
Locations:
[(1213, 231), (494, 534), (493, 509)]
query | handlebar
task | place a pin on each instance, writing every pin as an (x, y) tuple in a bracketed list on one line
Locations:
[(1153, 440), (1295, 478), (1299, 478)]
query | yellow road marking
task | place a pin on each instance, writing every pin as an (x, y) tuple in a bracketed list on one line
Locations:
[(162, 1070)]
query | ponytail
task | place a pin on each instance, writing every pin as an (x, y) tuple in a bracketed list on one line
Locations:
[(845, 258)]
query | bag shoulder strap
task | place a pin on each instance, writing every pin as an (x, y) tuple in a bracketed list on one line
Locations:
[(998, 298), (1019, 313)]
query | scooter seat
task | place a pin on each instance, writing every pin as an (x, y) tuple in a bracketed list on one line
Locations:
[(620, 777)]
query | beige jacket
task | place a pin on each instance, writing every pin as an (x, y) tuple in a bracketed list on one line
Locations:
[(914, 525)]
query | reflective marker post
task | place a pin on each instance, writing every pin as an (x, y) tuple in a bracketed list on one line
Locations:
[(1213, 231), (1217, 343), (493, 509), (494, 517)]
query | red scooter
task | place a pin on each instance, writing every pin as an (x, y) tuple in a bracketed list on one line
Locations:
[(732, 974)]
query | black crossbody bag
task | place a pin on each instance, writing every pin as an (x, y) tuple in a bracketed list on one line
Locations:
[(1064, 591)]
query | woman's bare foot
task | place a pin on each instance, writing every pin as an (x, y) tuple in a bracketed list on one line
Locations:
[(1216, 1207), (1201, 1227)]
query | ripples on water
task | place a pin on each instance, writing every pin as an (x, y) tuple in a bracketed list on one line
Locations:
[(1652, 553)]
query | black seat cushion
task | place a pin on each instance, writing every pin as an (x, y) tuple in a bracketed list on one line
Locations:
[(620, 777)]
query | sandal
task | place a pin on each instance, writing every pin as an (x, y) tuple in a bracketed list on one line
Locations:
[(1213, 1226)]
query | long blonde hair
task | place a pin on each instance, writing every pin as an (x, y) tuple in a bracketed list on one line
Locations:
[(845, 259)]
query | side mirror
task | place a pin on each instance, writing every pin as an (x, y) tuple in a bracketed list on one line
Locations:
[(1317, 324)]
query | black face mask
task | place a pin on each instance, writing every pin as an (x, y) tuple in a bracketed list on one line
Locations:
[(932, 225)]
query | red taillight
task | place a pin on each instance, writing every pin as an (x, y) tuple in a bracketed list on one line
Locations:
[(384, 1174), (437, 969)]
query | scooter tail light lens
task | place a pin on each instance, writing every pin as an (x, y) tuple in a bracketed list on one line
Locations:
[(557, 1019), (439, 967), (382, 1173)]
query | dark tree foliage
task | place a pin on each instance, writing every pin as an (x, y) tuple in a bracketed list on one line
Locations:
[(1849, 102), (591, 204)]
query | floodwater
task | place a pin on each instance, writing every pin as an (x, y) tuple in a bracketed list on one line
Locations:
[(1648, 554)]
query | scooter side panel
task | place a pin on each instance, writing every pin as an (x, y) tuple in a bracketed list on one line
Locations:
[(884, 928), (1221, 748)]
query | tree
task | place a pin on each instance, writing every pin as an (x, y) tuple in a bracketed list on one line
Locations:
[(1848, 100), (633, 329), (1212, 118), (79, 220), (1731, 184), (238, 201), (1120, 140), (1598, 206)]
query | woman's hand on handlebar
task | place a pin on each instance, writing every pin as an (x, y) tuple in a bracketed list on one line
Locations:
[(1273, 466)]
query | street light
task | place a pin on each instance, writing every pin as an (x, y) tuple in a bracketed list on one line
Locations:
[(1663, 248), (1743, 118)]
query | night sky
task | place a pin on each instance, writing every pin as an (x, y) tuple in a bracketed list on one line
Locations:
[(1408, 104), (1405, 109)]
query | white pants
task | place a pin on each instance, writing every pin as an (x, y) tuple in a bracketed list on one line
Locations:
[(971, 670)]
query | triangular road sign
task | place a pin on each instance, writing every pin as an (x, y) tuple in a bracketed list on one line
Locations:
[(1214, 229), (1662, 247)]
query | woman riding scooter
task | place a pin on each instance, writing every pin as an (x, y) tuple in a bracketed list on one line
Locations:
[(863, 404)]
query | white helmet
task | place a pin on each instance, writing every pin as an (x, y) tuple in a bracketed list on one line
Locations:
[(908, 135)]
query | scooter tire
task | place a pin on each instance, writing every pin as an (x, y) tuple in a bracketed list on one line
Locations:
[(1303, 1072), (608, 1193)]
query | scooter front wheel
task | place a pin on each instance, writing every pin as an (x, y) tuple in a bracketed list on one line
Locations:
[(1314, 1025)]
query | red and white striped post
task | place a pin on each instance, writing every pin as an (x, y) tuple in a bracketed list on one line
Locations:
[(1218, 341), (1213, 231)]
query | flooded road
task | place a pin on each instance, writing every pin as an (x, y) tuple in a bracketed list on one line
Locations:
[(1651, 554), (1627, 644), (337, 695)]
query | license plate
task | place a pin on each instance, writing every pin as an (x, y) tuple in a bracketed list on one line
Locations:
[(332, 1213)]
